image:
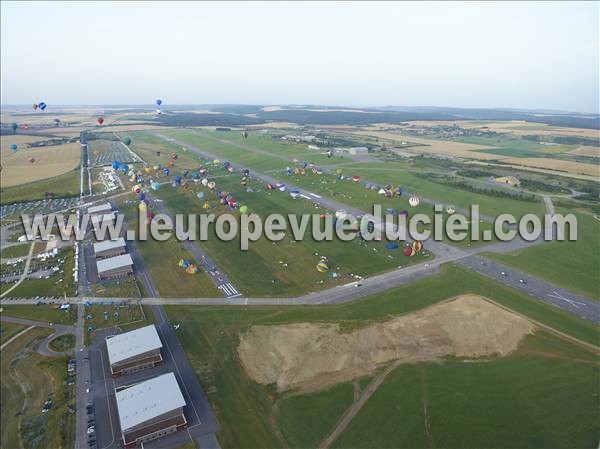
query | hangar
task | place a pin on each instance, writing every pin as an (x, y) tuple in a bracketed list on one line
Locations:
[(109, 248), (114, 267), (100, 209), (133, 351), (150, 409)]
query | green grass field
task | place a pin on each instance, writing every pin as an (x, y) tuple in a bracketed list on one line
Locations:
[(27, 381), (22, 250), (286, 267), (8, 330), (126, 288), (210, 337), (58, 284), (162, 258), (63, 343), (63, 185), (574, 265), (45, 312)]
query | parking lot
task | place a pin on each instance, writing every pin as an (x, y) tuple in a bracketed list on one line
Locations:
[(38, 207)]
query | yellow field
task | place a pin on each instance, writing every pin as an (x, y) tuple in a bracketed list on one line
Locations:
[(538, 170), (49, 162)]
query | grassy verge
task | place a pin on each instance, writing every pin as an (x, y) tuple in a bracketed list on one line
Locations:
[(63, 343), (8, 330), (22, 250)]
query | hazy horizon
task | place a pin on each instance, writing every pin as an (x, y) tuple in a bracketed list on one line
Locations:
[(535, 56)]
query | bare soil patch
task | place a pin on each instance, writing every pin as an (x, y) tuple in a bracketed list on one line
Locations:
[(314, 356)]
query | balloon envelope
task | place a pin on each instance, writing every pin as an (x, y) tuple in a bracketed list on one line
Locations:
[(158, 102), (13, 146)]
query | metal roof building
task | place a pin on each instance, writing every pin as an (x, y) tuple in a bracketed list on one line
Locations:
[(150, 410), (133, 351), (109, 248), (117, 266), (99, 209)]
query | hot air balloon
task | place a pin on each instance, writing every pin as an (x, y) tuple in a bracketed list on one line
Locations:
[(392, 246), (142, 206), (158, 102), (56, 121), (166, 171), (35, 106), (116, 165), (450, 210), (413, 201), (13, 147), (126, 140), (31, 160), (200, 195), (212, 185), (178, 179), (245, 134), (137, 188), (191, 269), (269, 186), (14, 126), (141, 196), (356, 178), (204, 182), (322, 266), (408, 251), (154, 185), (417, 246), (244, 209), (24, 126), (41, 105), (100, 120), (158, 112)]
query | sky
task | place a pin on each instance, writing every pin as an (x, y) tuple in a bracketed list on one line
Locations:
[(510, 54)]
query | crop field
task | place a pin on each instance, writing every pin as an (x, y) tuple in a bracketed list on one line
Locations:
[(162, 258), (28, 380), (211, 337), (573, 265), (586, 151), (47, 162), (287, 267), (66, 185)]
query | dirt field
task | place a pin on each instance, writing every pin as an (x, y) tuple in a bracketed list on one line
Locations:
[(314, 356), (586, 151), (49, 162)]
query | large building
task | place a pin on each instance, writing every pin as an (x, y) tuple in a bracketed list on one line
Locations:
[(150, 410), (109, 248), (133, 351), (100, 209), (115, 267)]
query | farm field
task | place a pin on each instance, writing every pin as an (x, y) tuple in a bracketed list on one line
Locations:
[(66, 184), (28, 380), (210, 336), (573, 265), (48, 162)]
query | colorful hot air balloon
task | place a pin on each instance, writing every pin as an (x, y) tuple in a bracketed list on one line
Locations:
[(158, 102), (244, 209), (413, 201), (41, 105), (408, 251), (166, 171), (136, 188), (417, 246), (13, 147), (126, 140), (100, 120), (155, 185), (116, 165), (356, 178), (322, 266), (212, 185), (204, 182)]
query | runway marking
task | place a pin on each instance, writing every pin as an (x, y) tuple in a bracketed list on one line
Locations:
[(229, 290), (574, 303)]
